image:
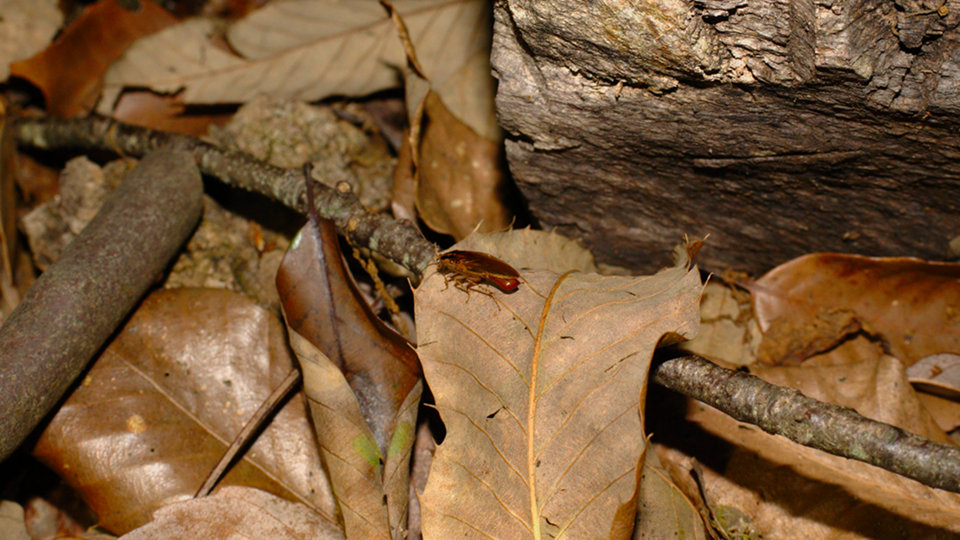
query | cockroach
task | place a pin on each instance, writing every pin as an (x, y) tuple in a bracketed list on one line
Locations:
[(467, 269)]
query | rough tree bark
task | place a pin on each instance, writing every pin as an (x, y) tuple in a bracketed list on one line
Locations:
[(779, 127)]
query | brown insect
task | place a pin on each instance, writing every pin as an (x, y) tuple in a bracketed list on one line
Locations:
[(467, 269)]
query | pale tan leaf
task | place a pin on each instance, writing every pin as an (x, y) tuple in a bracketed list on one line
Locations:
[(27, 26), (160, 406), (664, 511), (237, 512), (945, 412), (826, 488), (311, 49), (370, 488), (12, 523), (540, 392)]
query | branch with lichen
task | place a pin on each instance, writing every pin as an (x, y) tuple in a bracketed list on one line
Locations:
[(395, 240)]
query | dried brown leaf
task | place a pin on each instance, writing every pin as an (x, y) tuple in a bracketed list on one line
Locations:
[(309, 50), (528, 248), (322, 304), (159, 407), (403, 199), (12, 523), (9, 252), (938, 374), (237, 512), (460, 175), (728, 331), (361, 380), (945, 412), (371, 486), (69, 71), (913, 305), (540, 392)]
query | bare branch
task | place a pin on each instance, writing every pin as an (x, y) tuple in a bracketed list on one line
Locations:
[(838, 430)]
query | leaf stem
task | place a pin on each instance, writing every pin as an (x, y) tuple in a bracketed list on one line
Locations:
[(532, 409)]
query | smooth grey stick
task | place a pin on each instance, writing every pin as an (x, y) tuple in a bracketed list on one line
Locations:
[(74, 307)]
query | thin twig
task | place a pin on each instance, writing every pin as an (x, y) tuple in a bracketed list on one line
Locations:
[(244, 437), (838, 430)]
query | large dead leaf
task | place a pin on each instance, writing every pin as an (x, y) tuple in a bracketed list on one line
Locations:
[(812, 302), (361, 379), (785, 485), (540, 394), (69, 71), (237, 512), (370, 485), (311, 49), (26, 26), (162, 403)]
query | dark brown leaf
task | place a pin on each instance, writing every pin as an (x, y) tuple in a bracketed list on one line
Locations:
[(69, 72), (162, 403), (321, 303), (362, 381)]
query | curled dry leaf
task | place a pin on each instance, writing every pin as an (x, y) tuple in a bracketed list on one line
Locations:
[(453, 169), (791, 489), (913, 305), (459, 175), (540, 392), (237, 512), (162, 403), (309, 50), (69, 71), (362, 381)]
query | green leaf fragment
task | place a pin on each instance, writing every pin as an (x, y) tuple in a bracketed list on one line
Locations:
[(401, 440), (366, 446)]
